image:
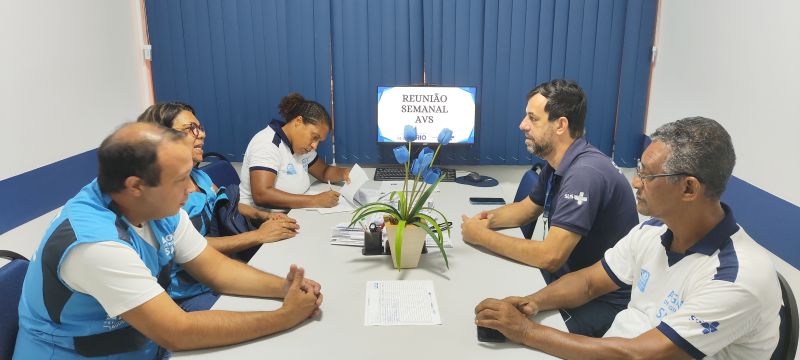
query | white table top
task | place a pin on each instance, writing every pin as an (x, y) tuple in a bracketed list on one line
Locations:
[(343, 272)]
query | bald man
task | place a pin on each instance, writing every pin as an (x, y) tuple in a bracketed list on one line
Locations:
[(95, 286)]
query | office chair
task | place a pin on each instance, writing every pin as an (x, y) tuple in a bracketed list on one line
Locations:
[(219, 169), (11, 277), (526, 185), (787, 344)]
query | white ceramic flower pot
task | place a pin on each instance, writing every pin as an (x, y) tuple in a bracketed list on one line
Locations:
[(413, 241)]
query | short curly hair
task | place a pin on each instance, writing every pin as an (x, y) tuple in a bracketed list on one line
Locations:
[(699, 146)]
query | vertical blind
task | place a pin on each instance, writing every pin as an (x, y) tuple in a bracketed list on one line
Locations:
[(234, 60), (375, 42)]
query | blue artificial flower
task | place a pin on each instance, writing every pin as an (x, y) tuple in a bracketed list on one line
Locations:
[(422, 161), (415, 167), (445, 136), (431, 175), (401, 154), (425, 156), (410, 133)]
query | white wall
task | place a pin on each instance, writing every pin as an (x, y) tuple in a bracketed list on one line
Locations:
[(738, 62), (70, 72)]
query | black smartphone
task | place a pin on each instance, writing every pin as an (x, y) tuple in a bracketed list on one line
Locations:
[(490, 335), (486, 201)]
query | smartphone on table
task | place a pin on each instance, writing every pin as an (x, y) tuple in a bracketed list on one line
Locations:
[(486, 201), (490, 335)]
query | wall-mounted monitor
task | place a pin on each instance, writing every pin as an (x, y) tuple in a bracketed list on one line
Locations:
[(429, 109)]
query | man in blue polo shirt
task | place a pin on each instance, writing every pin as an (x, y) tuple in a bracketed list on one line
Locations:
[(702, 288), (96, 284), (587, 204)]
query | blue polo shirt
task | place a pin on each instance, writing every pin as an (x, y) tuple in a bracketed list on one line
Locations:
[(589, 196)]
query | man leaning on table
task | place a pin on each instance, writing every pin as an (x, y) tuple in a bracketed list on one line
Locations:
[(587, 203), (702, 288), (95, 286)]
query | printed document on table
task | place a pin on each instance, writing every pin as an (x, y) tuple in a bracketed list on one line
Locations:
[(401, 302)]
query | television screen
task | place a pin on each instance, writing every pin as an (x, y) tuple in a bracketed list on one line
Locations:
[(429, 109)]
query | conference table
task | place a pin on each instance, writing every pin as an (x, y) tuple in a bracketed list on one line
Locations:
[(339, 332)]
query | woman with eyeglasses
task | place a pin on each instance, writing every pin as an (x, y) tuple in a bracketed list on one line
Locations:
[(190, 294), (279, 159)]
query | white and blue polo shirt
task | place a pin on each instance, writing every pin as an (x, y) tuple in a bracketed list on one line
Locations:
[(271, 150), (720, 300)]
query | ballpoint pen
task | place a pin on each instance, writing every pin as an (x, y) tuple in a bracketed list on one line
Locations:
[(329, 185)]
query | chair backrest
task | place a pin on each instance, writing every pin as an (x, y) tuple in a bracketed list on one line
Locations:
[(526, 185), (219, 169), (787, 344), (11, 276)]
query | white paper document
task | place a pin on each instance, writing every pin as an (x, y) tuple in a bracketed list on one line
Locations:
[(401, 302), (342, 206), (351, 195), (357, 179)]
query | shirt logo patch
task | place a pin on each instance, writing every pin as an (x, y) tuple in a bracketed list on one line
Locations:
[(168, 242), (111, 323), (708, 328), (290, 169), (644, 275), (580, 198)]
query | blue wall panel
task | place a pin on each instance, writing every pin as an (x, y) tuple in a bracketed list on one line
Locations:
[(234, 60), (768, 219), (39, 191)]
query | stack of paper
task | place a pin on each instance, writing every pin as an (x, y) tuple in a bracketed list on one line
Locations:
[(354, 236)]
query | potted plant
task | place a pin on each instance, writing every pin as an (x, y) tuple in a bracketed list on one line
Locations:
[(410, 220)]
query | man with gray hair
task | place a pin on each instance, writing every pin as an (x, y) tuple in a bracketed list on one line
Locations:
[(701, 287)]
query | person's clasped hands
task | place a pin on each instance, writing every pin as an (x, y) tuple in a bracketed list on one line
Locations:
[(472, 226), (302, 297), (509, 316)]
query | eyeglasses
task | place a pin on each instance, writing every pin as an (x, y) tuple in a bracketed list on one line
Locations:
[(194, 129), (650, 177)]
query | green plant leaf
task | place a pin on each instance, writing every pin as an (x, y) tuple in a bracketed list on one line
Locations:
[(373, 208), (398, 243), (402, 205), (422, 199), (437, 236), (367, 207), (444, 218), (357, 215)]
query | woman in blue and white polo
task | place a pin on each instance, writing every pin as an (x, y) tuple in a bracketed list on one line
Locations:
[(279, 159)]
